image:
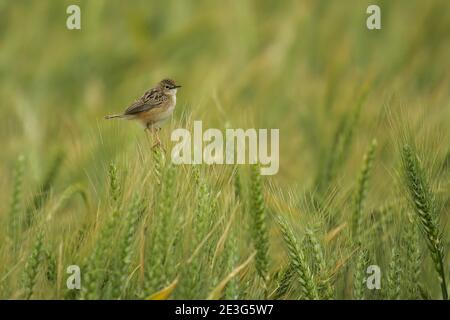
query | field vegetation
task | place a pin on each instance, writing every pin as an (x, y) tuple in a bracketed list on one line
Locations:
[(364, 119)]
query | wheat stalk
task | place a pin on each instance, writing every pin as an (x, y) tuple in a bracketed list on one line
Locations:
[(359, 281), (297, 259), (31, 270), (16, 199), (114, 185), (423, 202), (361, 190), (394, 276), (260, 236), (95, 266), (414, 260), (156, 275)]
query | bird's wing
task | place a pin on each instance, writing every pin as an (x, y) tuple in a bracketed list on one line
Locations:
[(151, 99)]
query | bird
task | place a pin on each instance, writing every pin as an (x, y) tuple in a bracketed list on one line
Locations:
[(153, 108)]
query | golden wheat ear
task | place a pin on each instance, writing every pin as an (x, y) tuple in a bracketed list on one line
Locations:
[(114, 116)]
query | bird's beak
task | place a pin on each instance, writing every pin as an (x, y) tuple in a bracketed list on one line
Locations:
[(175, 87)]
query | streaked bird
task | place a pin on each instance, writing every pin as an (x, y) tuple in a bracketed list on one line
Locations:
[(154, 107)]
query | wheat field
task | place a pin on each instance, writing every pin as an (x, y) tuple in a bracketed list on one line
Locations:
[(364, 176)]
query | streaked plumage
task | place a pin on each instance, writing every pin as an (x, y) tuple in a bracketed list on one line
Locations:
[(155, 105)]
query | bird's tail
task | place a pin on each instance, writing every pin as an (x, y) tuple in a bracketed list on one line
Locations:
[(114, 116)]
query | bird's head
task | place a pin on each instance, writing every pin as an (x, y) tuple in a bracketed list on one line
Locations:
[(169, 87)]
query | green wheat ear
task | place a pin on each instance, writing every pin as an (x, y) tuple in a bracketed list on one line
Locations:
[(232, 288), (394, 278), (414, 259), (359, 275), (16, 198), (156, 276), (31, 270), (318, 264), (97, 261), (114, 186), (361, 191), (260, 235), (159, 163), (51, 268), (298, 261), (423, 202), (125, 257)]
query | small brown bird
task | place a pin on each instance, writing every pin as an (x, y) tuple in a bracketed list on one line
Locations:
[(153, 108)]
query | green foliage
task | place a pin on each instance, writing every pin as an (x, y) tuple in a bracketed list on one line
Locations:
[(122, 259), (50, 261), (318, 264), (237, 184), (342, 143), (159, 160), (114, 186), (394, 278), (285, 281), (297, 258), (259, 220), (359, 275), (413, 264), (31, 270), (43, 192), (16, 199), (95, 268), (361, 191), (423, 202), (144, 224), (157, 264)]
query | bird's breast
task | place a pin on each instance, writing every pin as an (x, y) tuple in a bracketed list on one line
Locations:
[(159, 113)]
